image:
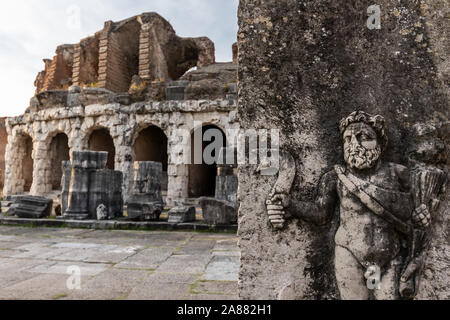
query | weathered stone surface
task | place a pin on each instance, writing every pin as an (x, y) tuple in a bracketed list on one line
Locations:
[(175, 90), (65, 184), (146, 200), (3, 142), (218, 212), (182, 214), (91, 186), (124, 124), (226, 188), (30, 207), (105, 188), (303, 67)]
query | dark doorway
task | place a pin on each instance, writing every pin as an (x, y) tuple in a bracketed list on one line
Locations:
[(101, 140), (151, 145), (59, 152), (26, 150), (202, 177)]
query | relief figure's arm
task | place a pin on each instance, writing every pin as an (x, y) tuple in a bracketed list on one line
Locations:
[(320, 211), (280, 206)]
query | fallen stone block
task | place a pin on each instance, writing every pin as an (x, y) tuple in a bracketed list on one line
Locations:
[(148, 211), (29, 207), (182, 214)]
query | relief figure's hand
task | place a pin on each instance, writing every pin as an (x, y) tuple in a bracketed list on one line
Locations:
[(276, 209)]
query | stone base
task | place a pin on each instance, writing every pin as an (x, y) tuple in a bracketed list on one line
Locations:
[(149, 211), (218, 212), (182, 214), (29, 207), (74, 216)]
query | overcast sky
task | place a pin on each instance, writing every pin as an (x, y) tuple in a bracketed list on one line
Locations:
[(30, 30)]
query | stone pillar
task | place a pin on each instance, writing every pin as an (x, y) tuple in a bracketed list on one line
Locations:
[(13, 185), (83, 163), (178, 183), (303, 67), (65, 184), (41, 169)]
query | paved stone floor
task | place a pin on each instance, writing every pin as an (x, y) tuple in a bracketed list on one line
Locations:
[(35, 263)]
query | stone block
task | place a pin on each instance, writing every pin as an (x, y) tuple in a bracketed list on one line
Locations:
[(227, 188), (175, 90), (182, 214), (146, 202), (105, 188), (89, 159), (29, 207), (218, 212), (148, 211)]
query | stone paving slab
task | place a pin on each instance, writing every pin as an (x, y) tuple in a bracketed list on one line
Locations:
[(148, 259), (38, 287), (223, 268), (87, 269), (113, 284), (185, 264), (134, 265)]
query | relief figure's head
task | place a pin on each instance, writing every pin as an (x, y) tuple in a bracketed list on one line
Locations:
[(364, 138)]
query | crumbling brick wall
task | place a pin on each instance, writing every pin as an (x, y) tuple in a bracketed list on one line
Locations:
[(86, 62), (144, 45), (59, 73)]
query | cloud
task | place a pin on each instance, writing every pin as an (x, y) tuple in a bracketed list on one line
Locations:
[(30, 30)]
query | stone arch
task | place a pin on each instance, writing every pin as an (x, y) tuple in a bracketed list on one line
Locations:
[(202, 177), (58, 152), (25, 162), (151, 144), (100, 139)]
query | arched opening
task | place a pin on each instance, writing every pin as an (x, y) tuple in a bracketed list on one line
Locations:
[(59, 152), (151, 145), (25, 152), (101, 140), (202, 177)]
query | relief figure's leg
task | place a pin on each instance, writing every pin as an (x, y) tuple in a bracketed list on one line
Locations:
[(350, 276)]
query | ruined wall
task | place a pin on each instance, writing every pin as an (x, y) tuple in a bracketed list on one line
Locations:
[(124, 123), (86, 62), (58, 72), (3, 143), (302, 67), (144, 45)]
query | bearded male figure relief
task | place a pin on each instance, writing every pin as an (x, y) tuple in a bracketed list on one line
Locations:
[(385, 212)]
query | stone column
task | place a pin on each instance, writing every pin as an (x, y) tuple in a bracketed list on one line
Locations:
[(12, 167), (178, 183), (41, 169)]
